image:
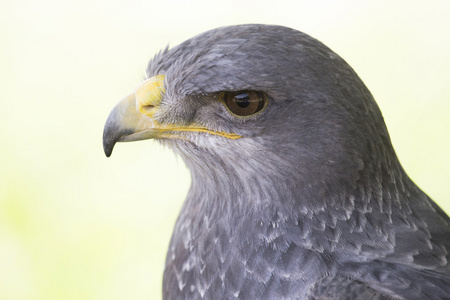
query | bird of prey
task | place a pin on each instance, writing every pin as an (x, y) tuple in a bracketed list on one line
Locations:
[(296, 191)]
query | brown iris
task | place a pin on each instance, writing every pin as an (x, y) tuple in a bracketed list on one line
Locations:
[(244, 103)]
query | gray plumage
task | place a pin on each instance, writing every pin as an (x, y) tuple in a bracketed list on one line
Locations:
[(311, 202)]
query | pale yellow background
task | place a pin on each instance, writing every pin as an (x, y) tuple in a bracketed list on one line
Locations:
[(76, 225)]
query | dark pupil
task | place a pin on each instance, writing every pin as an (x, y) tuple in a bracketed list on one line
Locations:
[(242, 100)]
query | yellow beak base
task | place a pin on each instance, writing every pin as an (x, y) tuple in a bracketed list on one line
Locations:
[(132, 118)]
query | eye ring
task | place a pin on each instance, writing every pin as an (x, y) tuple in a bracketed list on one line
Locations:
[(244, 103)]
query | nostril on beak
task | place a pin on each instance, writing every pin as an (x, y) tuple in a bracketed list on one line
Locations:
[(147, 108), (149, 95)]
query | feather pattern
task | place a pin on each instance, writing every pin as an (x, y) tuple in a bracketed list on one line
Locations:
[(311, 202)]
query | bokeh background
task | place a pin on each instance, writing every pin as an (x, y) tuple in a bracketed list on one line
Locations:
[(76, 225)]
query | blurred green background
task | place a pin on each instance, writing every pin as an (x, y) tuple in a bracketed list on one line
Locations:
[(76, 225)]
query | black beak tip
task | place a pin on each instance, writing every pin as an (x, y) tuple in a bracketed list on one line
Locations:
[(111, 133), (110, 138), (108, 146), (108, 151)]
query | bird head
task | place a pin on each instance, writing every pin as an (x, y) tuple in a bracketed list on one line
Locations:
[(250, 104)]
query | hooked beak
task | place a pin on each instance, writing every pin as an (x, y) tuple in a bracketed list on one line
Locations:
[(133, 118)]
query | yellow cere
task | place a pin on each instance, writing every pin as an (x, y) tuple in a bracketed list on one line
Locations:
[(148, 97), (149, 94)]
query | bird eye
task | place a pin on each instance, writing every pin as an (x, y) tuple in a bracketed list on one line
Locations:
[(244, 103)]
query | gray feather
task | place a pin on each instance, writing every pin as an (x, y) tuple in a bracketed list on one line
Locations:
[(312, 202)]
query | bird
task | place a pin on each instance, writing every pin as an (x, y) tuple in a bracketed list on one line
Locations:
[(296, 190)]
